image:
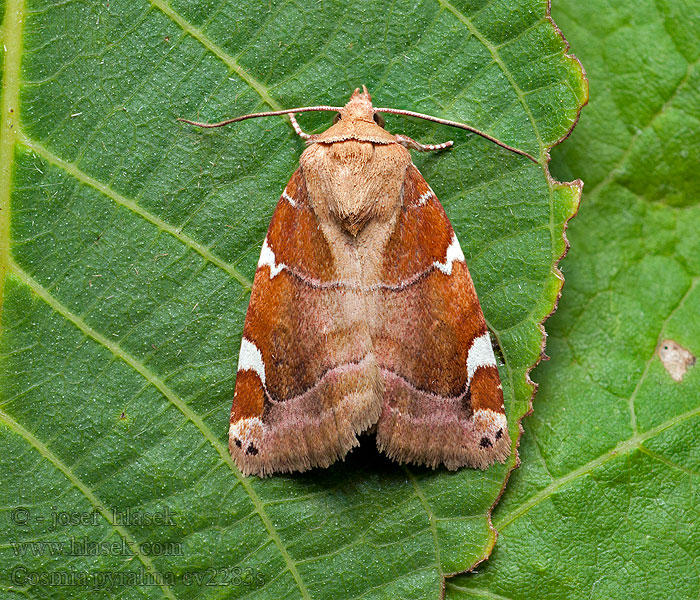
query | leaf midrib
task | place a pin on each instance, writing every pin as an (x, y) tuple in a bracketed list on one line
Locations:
[(9, 122)]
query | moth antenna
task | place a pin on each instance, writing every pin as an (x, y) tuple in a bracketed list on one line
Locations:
[(410, 113), (263, 114)]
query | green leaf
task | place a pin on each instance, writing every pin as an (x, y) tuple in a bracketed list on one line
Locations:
[(128, 245), (606, 502)]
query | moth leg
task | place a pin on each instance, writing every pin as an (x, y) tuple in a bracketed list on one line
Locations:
[(298, 130), (408, 142), (496, 345)]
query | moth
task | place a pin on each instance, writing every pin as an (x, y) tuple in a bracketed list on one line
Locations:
[(363, 315)]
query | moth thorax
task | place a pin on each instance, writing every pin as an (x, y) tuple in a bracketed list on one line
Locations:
[(356, 181)]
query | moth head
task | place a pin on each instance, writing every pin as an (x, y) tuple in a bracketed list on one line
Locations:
[(358, 108)]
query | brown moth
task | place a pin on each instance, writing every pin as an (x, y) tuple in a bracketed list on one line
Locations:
[(363, 314)]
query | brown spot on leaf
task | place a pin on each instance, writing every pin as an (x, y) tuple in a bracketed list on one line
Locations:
[(675, 358)]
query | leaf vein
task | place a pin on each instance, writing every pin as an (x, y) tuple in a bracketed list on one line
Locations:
[(46, 453), (227, 59), (429, 512), (632, 443), (186, 410), (85, 179), (614, 170), (499, 61), (667, 462), (481, 593)]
